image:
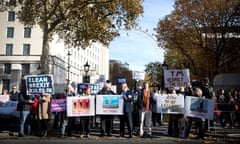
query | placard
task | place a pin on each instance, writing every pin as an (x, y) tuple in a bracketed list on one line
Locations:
[(9, 108), (58, 105), (170, 103), (80, 106), (4, 98), (109, 104), (39, 84), (199, 107), (176, 78)]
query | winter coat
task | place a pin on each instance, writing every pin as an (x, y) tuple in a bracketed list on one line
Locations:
[(43, 107)]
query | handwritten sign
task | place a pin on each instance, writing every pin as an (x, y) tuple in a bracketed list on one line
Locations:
[(109, 105), (138, 75), (176, 78), (39, 84), (170, 103)]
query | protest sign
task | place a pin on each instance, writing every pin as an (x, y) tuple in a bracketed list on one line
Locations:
[(109, 105), (9, 108), (199, 107), (58, 105), (80, 106), (4, 98), (170, 103), (39, 84), (176, 78), (138, 75)]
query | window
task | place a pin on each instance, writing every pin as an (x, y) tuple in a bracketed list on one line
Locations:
[(9, 49), (26, 49), (10, 32), (11, 16), (7, 68), (27, 32), (25, 69)]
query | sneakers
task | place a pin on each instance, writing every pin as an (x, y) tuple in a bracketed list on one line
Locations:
[(88, 136), (81, 135)]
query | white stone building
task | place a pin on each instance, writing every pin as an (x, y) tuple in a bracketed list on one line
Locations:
[(21, 48)]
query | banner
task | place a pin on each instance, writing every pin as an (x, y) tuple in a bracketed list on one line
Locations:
[(58, 105), (39, 84), (138, 75), (80, 106), (170, 103), (176, 78), (199, 107), (4, 98), (9, 108), (109, 104)]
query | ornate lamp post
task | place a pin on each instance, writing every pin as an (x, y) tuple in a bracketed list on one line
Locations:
[(86, 78), (164, 67)]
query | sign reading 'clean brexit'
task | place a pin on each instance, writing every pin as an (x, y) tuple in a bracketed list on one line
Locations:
[(39, 84)]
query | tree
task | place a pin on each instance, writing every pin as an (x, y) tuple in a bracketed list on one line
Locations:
[(201, 31), (78, 22), (154, 73)]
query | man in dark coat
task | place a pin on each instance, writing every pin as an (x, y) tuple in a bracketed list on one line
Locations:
[(127, 110), (106, 120)]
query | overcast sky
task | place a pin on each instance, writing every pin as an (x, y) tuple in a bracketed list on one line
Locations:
[(136, 47)]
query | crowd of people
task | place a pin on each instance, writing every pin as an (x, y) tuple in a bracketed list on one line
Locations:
[(139, 112)]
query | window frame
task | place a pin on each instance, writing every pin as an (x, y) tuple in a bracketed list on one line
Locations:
[(7, 51), (10, 32)]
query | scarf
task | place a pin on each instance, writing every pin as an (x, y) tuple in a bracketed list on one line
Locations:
[(146, 99)]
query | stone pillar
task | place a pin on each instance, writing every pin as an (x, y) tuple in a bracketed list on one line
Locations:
[(16, 75), (1, 75)]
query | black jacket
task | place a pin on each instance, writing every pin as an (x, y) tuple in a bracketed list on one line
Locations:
[(140, 99), (24, 104)]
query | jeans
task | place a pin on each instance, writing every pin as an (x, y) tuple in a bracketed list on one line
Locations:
[(25, 120), (145, 116)]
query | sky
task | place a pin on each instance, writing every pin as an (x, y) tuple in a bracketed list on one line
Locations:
[(139, 47)]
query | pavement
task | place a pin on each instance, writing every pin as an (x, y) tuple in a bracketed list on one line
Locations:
[(159, 133)]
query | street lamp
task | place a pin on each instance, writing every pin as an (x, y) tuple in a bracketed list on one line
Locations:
[(164, 67), (68, 70), (86, 78)]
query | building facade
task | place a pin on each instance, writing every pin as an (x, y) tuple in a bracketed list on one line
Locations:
[(21, 48)]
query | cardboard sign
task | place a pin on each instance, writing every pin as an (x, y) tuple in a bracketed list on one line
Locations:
[(176, 78), (170, 103)]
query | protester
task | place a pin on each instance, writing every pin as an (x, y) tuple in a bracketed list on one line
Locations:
[(24, 107), (173, 120), (156, 117), (199, 122), (43, 113), (85, 120), (14, 94), (64, 120), (145, 101), (208, 92), (127, 111), (222, 107), (106, 120)]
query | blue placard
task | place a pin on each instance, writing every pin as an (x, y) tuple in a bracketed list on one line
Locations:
[(39, 84)]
